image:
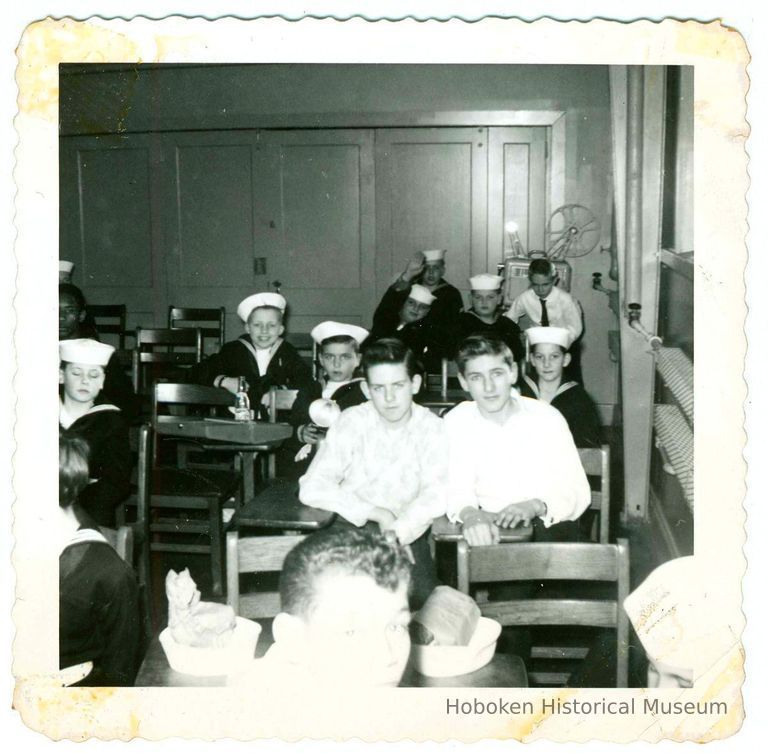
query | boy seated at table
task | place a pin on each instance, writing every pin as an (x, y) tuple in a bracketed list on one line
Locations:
[(74, 324), (261, 355), (84, 413), (511, 459), (99, 611), (344, 615), (485, 316), (549, 356), (339, 355), (383, 464)]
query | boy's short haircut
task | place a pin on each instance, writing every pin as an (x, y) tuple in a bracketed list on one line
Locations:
[(389, 350), (261, 308), (341, 340), (67, 288), (350, 551), (73, 469), (541, 267), (482, 345)]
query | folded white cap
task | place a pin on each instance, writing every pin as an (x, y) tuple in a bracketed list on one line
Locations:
[(324, 330), (421, 294), (66, 266), (433, 255), (552, 335), (680, 615), (84, 350), (485, 281), (257, 300)]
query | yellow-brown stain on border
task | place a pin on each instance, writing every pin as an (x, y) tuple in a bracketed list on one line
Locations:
[(711, 41), (47, 43)]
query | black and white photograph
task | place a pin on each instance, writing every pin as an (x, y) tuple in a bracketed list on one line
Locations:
[(377, 372)]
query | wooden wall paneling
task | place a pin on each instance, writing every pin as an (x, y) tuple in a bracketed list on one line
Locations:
[(518, 185), (431, 186), (107, 215), (314, 227)]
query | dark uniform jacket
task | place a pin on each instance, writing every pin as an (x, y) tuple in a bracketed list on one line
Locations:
[(109, 461), (577, 407), (99, 612), (503, 328), (236, 358)]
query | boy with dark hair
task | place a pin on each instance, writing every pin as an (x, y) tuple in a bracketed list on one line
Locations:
[(74, 324), (261, 355), (99, 618), (485, 317), (383, 463), (511, 459), (549, 356), (84, 413), (344, 615)]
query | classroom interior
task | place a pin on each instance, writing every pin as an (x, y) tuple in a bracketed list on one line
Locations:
[(196, 185)]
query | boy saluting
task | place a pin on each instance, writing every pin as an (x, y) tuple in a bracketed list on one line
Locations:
[(261, 355), (511, 459)]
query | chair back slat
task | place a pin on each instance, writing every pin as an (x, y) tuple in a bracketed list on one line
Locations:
[(172, 393), (254, 554), (596, 461), (147, 339), (180, 317), (585, 613), (542, 561), (104, 317)]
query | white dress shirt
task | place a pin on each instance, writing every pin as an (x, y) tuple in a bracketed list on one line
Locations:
[(563, 310), (362, 464), (531, 456)]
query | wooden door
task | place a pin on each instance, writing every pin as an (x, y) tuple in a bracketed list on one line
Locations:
[(107, 221), (431, 192), (517, 188), (314, 228)]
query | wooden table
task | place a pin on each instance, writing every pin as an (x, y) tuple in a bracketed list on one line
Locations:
[(439, 401), (444, 530), (277, 506), (248, 438), (503, 671)]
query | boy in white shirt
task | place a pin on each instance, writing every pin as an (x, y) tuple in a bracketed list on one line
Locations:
[(511, 459), (383, 464)]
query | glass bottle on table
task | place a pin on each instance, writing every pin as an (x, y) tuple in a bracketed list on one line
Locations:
[(242, 403)]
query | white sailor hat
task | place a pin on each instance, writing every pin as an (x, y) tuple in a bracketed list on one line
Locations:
[(66, 266), (86, 351), (433, 255), (324, 330), (485, 281), (256, 301), (678, 612), (421, 294), (551, 335)]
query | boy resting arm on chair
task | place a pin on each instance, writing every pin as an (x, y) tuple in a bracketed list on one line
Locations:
[(511, 459)]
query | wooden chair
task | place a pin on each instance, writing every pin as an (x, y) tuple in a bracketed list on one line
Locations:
[(554, 561), (279, 400), (173, 501), (170, 360), (256, 554), (109, 319), (597, 463), (179, 317)]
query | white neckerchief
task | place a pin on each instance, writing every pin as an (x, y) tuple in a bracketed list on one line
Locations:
[(263, 356), (66, 419), (564, 386), (331, 387)]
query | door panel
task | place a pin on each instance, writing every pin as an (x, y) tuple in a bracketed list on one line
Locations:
[(431, 193), (517, 188), (314, 225)]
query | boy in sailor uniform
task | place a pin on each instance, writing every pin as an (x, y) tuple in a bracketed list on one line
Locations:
[(261, 355), (485, 316), (549, 356), (339, 352), (82, 414)]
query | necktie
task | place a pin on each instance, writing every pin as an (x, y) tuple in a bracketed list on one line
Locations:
[(544, 314)]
